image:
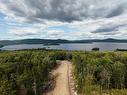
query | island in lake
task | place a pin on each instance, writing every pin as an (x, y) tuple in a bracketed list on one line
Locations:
[(50, 44)]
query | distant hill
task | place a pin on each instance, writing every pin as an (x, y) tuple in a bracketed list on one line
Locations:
[(58, 41), (102, 40), (32, 41)]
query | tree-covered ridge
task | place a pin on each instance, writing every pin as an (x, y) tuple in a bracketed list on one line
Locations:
[(57, 41), (97, 73)]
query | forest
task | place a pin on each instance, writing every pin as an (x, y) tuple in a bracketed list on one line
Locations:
[(27, 69), (95, 72), (101, 73)]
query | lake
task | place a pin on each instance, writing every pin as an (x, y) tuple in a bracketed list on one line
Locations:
[(70, 46)]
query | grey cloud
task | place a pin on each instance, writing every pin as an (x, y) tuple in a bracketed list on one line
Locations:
[(117, 11), (64, 10), (25, 34), (111, 33), (105, 29), (109, 28)]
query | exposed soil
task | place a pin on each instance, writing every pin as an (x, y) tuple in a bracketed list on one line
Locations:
[(62, 74)]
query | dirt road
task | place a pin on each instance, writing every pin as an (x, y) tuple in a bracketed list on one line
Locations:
[(62, 80)]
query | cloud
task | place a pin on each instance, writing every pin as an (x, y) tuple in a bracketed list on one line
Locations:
[(112, 26), (81, 19), (106, 29), (54, 32), (99, 28), (24, 31), (118, 10), (62, 10)]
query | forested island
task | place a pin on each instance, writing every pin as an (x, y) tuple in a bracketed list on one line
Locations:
[(95, 72), (50, 44)]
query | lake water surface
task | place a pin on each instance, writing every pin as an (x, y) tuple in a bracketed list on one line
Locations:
[(70, 46)]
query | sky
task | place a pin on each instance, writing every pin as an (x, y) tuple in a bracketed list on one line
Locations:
[(63, 19)]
